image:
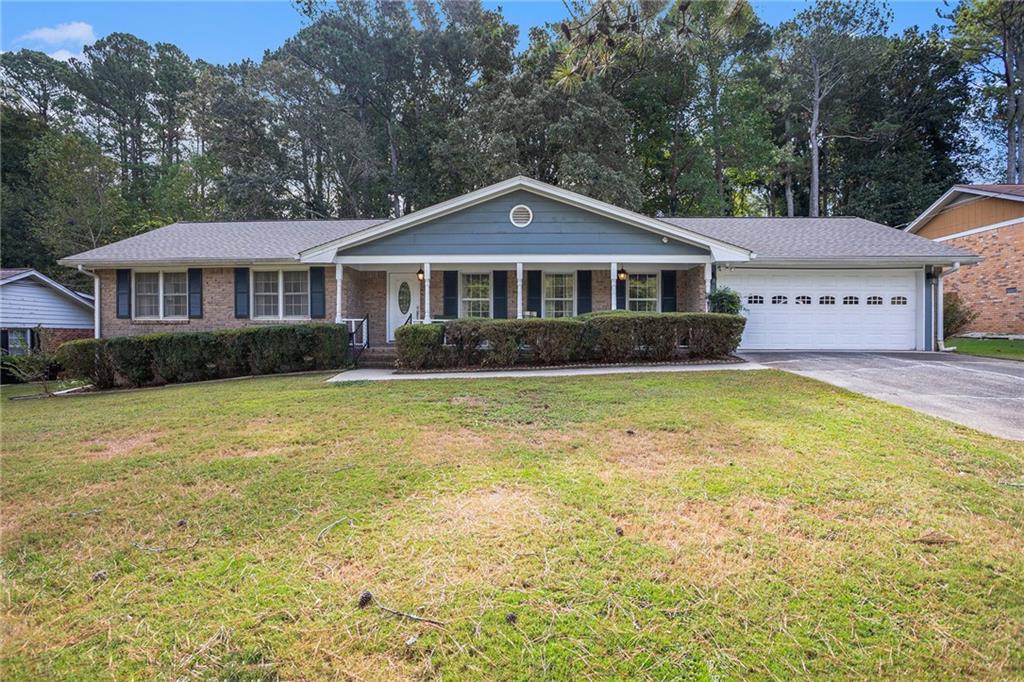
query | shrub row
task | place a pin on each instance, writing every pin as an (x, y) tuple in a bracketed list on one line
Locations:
[(615, 336), (165, 358)]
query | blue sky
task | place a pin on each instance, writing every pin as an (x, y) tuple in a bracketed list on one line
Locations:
[(224, 32)]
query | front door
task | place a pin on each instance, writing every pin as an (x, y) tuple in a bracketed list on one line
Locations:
[(403, 300)]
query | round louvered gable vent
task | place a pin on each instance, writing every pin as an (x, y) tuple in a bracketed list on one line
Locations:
[(520, 215)]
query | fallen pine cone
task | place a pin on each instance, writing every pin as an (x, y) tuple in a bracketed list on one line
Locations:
[(511, 618), (100, 575), (364, 599)]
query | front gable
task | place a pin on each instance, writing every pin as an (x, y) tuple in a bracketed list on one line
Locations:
[(556, 229)]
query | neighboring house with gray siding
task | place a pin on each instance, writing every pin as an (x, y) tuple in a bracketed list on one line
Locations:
[(523, 248), (29, 300)]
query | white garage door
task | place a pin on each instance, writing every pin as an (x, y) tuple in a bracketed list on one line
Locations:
[(827, 309)]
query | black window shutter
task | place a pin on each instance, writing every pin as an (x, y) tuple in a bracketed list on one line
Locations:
[(620, 294), (124, 294), (242, 293), (668, 291), (317, 294), (499, 282), (451, 293), (34, 341), (584, 303), (5, 342), (195, 293), (533, 291)]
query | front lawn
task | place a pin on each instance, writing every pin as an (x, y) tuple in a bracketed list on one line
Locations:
[(697, 526), (989, 348)]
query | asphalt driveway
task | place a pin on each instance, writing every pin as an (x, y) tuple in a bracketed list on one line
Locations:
[(983, 393)]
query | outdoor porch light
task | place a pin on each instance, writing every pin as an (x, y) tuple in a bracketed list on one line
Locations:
[(622, 275), (419, 274)]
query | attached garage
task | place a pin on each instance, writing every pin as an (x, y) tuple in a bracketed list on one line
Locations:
[(828, 309)]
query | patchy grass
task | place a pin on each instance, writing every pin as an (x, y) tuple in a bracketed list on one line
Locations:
[(990, 348), (695, 526)]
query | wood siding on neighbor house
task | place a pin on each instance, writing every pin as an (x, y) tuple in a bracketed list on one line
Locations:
[(29, 303), (556, 229), (975, 212)]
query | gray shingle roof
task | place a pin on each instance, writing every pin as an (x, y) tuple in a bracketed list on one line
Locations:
[(244, 241), (818, 238), (281, 240)]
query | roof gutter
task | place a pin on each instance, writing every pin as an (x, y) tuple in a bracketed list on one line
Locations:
[(95, 300)]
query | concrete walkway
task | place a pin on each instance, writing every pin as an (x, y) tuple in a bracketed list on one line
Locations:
[(392, 375)]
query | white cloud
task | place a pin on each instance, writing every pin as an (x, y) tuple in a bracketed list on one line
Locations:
[(75, 33), (63, 55)]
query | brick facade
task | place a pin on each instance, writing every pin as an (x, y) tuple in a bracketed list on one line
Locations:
[(994, 288), (53, 338), (364, 293)]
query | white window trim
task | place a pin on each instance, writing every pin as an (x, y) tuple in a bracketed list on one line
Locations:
[(657, 279), (160, 295), (543, 291), (490, 279), (280, 294)]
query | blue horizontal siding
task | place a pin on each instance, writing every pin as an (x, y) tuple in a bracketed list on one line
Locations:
[(556, 229)]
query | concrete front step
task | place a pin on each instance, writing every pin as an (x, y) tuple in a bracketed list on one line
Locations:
[(378, 358)]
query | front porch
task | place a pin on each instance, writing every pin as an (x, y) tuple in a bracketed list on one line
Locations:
[(376, 298)]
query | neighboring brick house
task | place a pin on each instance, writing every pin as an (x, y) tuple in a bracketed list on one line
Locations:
[(30, 301), (522, 248), (987, 220)]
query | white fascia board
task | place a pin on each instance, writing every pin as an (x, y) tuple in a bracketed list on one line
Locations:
[(43, 279), (316, 254), (526, 259), (858, 263), (178, 262)]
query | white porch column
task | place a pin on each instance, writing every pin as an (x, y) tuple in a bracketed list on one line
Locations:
[(615, 279), (426, 293), (707, 286), (519, 291), (337, 292)]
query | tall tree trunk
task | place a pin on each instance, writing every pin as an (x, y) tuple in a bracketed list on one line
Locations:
[(396, 198), (813, 132), (789, 192), (1009, 70)]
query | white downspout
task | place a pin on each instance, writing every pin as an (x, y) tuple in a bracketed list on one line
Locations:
[(940, 305), (95, 300)]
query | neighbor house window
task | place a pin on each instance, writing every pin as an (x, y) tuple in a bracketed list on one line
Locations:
[(643, 293), (476, 295), (19, 341), (898, 300), (280, 294), (559, 290), (161, 295)]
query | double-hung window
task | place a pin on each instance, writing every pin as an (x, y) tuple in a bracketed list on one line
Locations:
[(642, 293), (19, 341), (559, 290), (476, 294), (161, 295), (280, 294)]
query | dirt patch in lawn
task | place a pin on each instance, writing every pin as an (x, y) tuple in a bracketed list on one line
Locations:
[(710, 542), (122, 445), (452, 445)]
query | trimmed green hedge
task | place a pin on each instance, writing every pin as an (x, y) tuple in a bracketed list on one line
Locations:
[(168, 358), (613, 336)]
